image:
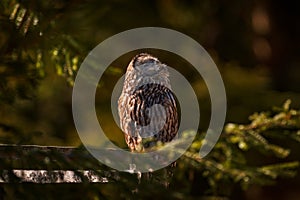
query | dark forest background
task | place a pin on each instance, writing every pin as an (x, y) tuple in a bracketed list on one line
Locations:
[(255, 44)]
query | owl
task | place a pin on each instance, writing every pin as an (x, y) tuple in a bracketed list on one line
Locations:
[(147, 106)]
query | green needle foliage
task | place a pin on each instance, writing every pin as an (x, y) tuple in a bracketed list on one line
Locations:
[(230, 161), (29, 40)]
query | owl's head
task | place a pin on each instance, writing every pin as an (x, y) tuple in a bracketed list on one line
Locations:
[(146, 64), (143, 69)]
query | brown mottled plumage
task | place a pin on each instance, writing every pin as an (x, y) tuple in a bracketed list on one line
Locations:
[(147, 100)]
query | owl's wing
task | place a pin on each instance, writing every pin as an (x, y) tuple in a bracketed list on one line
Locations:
[(161, 95), (127, 124)]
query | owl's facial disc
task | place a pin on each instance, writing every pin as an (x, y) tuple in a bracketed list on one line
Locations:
[(150, 67), (147, 65), (144, 59)]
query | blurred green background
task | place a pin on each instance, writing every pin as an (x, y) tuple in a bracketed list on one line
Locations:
[(255, 45)]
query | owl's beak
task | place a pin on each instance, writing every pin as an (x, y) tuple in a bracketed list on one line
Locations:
[(153, 68)]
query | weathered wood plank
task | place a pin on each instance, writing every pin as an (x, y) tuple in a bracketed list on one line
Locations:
[(46, 157), (51, 176), (51, 164)]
